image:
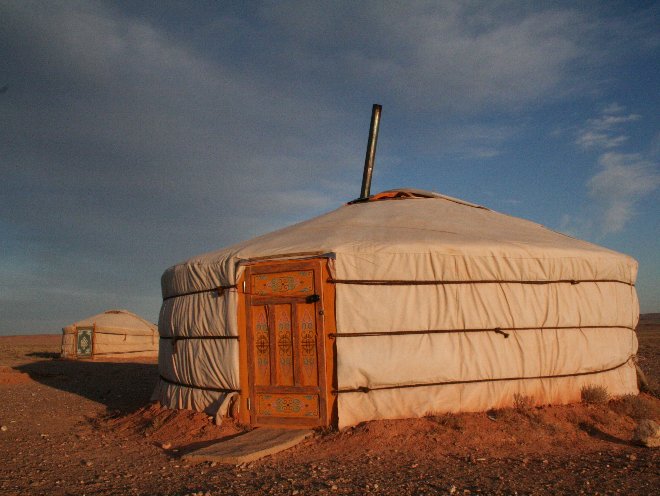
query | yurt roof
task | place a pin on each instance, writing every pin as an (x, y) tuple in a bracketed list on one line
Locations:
[(408, 234), (120, 321)]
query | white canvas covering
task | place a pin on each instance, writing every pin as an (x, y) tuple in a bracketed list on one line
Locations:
[(116, 334), (464, 307)]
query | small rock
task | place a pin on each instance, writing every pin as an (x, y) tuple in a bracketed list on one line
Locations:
[(647, 433), (4, 428), (632, 457), (166, 445)]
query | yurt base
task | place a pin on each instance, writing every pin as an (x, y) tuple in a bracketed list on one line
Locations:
[(248, 447)]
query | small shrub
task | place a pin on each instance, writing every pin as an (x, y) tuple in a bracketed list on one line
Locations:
[(594, 395)]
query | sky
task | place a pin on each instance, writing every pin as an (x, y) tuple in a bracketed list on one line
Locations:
[(135, 135)]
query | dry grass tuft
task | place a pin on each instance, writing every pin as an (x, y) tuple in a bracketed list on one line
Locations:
[(594, 395)]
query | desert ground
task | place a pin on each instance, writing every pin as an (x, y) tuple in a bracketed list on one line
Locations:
[(87, 427)]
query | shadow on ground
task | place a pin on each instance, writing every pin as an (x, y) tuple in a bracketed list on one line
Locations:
[(595, 432), (43, 354), (122, 387)]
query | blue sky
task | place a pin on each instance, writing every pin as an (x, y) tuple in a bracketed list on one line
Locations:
[(136, 135)]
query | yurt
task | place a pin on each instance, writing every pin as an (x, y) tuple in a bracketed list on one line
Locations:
[(111, 334), (404, 304)]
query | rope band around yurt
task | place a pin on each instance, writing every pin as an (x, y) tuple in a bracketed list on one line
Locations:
[(174, 339), (178, 338), (504, 331), (219, 289), (194, 386), (365, 389), (497, 330), (125, 352), (383, 282)]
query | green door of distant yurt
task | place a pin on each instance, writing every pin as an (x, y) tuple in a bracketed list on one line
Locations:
[(84, 342)]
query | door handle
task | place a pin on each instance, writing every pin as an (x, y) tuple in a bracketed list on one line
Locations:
[(312, 298)]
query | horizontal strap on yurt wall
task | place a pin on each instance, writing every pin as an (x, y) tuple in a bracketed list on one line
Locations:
[(177, 338), (497, 330), (138, 334), (217, 288), (365, 389), (204, 388), (124, 352), (366, 282)]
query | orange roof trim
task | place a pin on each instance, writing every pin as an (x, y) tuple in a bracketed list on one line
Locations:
[(410, 193)]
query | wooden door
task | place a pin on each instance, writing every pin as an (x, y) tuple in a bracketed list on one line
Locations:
[(286, 344)]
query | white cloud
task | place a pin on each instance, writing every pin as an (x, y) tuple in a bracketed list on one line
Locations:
[(624, 179), (592, 139), (604, 131)]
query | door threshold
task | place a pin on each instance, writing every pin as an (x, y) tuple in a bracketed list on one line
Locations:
[(251, 446)]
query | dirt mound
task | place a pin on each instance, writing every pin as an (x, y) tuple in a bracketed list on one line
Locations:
[(544, 431), (11, 376), (520, 432), (171, 428)]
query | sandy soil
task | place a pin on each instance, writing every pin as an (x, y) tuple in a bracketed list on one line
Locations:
[(88, 428)]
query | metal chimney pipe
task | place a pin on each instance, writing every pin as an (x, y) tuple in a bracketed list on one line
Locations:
[(371, 151)]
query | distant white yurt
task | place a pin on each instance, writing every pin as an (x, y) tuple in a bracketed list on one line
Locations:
[(111, 334), (407, 304)]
